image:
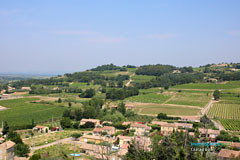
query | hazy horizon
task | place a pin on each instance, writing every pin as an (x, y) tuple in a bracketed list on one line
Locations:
[(68, 36)]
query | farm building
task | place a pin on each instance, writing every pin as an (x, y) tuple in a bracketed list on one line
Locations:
[(140, 129), (124, 140), (41, 129), (209, 132), (190, 118), (143, 142), (7, 150), (95, 121), (95, 139), (26, 88), (126, 123), (167, 128), (184, 125), (108, 129)]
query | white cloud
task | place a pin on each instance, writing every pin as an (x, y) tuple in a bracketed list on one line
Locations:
[(235, 33), (161, 36)]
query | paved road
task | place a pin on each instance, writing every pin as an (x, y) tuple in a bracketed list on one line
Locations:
[(206, 109)]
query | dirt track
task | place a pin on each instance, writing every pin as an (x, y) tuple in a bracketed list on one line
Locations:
[(2, 108)]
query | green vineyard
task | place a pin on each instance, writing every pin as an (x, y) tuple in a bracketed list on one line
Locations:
[(227, 114), (231, 124), (225, 111)]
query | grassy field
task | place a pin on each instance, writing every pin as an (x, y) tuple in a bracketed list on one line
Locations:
[(210, 86), (148, 98), (170, 110), (190, 91), (141, 118), (113, 73), (230, 96), (20, 112), (83, 85), (49, 137), (190, 98), (150, 90), (59, 151), (141, 78)]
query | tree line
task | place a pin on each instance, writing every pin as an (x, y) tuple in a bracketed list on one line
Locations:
[(109, 67), (120, 94), (171, 79)]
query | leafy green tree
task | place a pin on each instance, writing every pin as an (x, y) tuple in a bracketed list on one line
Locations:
[(96, 102), (182, 155), (89, 112), (89, 93), (166, 87), (121, 108), (115, 117), (76, 125), (216, 95), (66, 122), (35, 157), (76, 136), (205, 120), (21, 150), (104, 133), (88, 125), (15, 137), (78, 114), (120, 84), (5, 128), (67, 113), (162, 116), (59, 100), (135, 152), (197, 133)]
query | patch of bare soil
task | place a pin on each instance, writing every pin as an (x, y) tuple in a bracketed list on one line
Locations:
[(19, 93), (42, 98), (2, 108)]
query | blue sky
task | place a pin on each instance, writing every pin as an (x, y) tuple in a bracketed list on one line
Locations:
[(61, 36)]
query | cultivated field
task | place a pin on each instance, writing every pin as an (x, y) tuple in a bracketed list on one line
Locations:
[(210, 86), (190, 98), (228, 115), (231, 124), (49, 137), (148, 98), (154, 109), (61, 150), (141, 78), (20, 112), (83, 85), (225, 111)]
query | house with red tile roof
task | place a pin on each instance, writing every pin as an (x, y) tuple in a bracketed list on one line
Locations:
[(140, 129)]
